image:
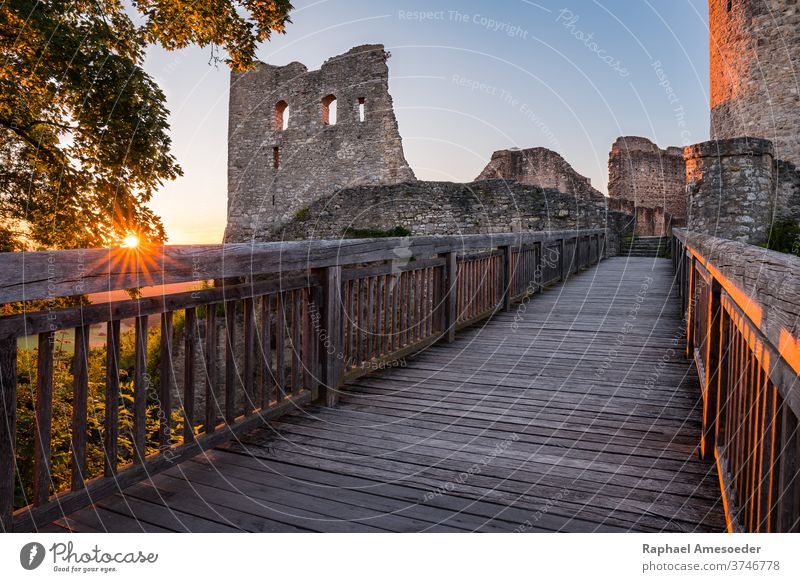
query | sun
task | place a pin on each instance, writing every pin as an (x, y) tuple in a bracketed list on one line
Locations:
[(131, 241)]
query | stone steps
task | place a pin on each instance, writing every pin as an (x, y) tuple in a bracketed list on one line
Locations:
[(646, 246)]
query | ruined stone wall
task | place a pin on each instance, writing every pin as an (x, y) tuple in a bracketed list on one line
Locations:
[(650, 177), (731, 188), (755, 72), (538, 167), (449, 208), (274, 172)]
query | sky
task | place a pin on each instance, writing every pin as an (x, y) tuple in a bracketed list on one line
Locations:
[(467, 77)]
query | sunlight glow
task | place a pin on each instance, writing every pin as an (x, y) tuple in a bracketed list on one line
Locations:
[(131, 241)]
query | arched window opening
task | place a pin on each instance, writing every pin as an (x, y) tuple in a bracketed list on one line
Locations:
[(362, 109), (329, 110), (281, 115)]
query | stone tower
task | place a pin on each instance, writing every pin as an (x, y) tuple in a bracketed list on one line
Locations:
[(646, 175), (296, 136), (755, 72)]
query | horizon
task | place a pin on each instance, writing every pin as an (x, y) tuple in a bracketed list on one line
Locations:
[(466, 82)]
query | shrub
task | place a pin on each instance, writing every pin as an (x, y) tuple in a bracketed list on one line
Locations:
[(397, 231)]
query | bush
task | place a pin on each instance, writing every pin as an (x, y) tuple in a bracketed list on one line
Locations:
[(302, 214), (397, 231), (785, 236)]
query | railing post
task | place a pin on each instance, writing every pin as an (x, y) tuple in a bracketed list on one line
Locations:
[(562, 251), (714, 358), (8, 429), (507, 277), (690, 331), (450, 298), (330, 336)]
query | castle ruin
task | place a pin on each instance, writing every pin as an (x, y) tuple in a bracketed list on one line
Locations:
[(651, 179), (296, 136), (539, 167), (755, 72)]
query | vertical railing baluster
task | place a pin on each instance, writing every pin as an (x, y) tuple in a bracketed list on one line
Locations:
[(211, 369), (44, 419), (333, 318), (111, 429), (380, 289), (789, 489), (140, 379), (297, 362), (8, 429), (249, 361), (280, 345), (267, 377), (231, 376), (166, 382), (190, 344), (764, 497), (307, 354), (80, 395)]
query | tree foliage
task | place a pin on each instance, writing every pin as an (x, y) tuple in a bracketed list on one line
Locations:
[(84, 133)]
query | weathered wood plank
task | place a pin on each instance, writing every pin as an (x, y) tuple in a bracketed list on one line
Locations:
[(190, 345), (139, 388), (111, 425), (80, 392), (44, 418), (166, 381)]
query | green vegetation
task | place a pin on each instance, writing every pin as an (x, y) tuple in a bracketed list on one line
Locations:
[(397, 231), (784, 236), (302, 214), (84, 130), (61, 457)]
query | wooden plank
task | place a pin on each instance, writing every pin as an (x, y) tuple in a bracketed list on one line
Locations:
[(249, 371), (789, 503), (280, 347), (267, 375), (190, 345), (166, 382), (80, 392), (297, 363), (231, 369), (44, 419), (111, 425), (211, 406), (451, 296), (332, 342), (139, 388)]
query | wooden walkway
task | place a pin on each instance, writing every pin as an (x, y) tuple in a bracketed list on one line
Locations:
[(576, 412)]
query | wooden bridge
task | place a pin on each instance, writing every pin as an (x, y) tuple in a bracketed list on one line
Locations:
[(482, 383)]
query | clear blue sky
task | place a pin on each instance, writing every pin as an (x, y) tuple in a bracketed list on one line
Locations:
[(467, 78)]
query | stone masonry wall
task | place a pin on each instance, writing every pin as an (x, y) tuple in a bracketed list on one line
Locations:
[(755, 72), (650, 177), (274, 171), (450, 208), (538, 167), (731, 188)]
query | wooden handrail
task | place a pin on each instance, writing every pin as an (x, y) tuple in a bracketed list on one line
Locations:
[(310, 315), (742, 306), (28, 276)]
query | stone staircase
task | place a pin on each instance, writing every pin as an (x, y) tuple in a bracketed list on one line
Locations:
[(646, 246)]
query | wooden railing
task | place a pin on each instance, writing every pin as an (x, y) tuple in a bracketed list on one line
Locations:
[(285, 325), (742, 305)]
